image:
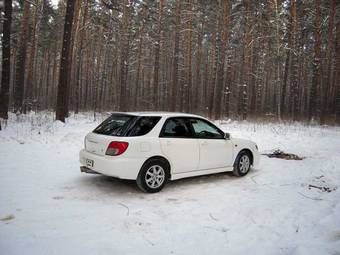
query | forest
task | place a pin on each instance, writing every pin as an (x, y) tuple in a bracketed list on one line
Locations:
[(238, 59), (257, 174)]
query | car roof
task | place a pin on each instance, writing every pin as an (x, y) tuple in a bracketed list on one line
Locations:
[(162, 114)]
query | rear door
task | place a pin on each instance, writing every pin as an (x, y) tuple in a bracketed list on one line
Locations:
[(109, 130), (97, 144), (214, 150), (179, 145)]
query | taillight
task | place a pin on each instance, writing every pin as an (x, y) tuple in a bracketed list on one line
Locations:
[(116, 148)]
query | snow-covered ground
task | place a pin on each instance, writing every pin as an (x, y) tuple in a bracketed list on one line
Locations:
[(48, 207)]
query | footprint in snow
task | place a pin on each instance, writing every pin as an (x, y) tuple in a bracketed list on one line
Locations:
[(58, 198)]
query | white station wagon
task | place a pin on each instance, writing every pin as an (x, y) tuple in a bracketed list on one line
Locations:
[(154, 147)]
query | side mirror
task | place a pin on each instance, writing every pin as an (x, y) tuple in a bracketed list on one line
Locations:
[(227, 136)]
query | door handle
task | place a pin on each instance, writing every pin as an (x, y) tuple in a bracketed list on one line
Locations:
[(204, 143), (168, 143)]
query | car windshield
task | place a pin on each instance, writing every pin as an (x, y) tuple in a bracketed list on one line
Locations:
[(115, 125)]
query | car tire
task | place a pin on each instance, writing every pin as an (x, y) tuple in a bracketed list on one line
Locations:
[(153, 175), (242, 164)]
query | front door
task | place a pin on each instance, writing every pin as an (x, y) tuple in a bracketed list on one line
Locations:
[(215, 151), (179, 145)]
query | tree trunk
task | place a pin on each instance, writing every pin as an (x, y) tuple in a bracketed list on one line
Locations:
[(198, 91), (188, 78), (72, 55), (294, 85), (62, 99), (156, 62), (277, 60), (6, 60), (124, 58), (29, 80), (246, 64), (139, 62), (79, 54), (329, 59), (176, 56), (47, 80), (213, 63), (337, 72), (218, 93), (21, 60), (283, 107), (314, 100)]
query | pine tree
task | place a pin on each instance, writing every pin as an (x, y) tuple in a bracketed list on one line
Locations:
[(21, 60), (176, 56), (337, 72), (314, 98), (62, 99), (6, 60)]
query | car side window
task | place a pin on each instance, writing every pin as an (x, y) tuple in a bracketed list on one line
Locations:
[(143, 126), (205, 130), (176, 128)]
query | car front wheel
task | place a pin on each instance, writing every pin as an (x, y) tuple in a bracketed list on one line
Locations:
[(153, 176), (242, 164)]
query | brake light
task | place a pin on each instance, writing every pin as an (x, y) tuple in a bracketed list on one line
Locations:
[(116, 148)]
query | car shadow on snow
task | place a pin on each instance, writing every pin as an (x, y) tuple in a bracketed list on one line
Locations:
[(110, 185), (211, 179), (107, 185)]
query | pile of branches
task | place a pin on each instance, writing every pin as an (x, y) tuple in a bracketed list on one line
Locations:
[(283, 155), (321, 188)]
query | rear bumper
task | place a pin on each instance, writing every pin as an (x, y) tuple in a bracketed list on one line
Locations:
[(123, 168), (87, 170)]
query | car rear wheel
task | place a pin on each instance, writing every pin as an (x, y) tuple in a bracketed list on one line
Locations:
[(153, 175), (242, 164)]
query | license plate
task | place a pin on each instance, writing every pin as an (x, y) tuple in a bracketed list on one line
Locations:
[(89, 162)]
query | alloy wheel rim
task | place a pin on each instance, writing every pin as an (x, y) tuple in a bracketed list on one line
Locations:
[(155, 176), (244, 164)]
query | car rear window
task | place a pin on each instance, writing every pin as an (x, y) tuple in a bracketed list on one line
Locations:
[(127, 125), (115, 125), (143, 126)]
